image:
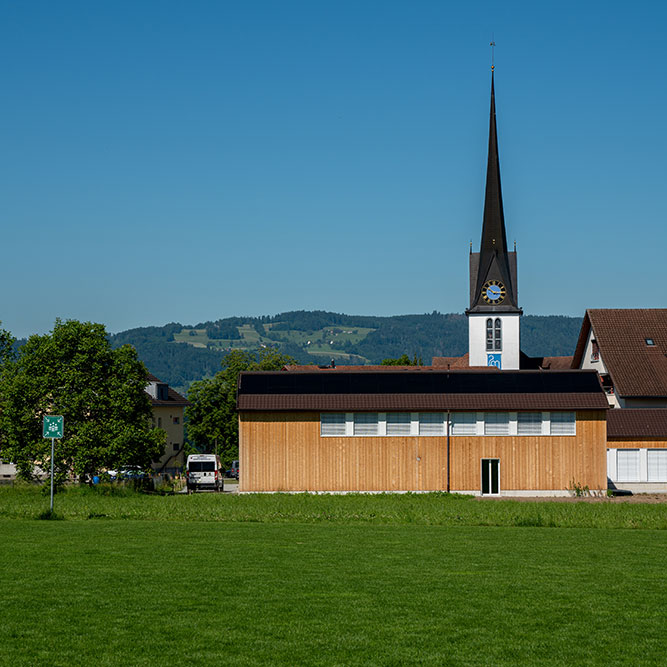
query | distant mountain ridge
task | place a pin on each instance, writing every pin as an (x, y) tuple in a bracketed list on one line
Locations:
[(180, 354)]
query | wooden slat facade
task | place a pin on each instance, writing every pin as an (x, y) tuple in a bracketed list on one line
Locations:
[(639, 443), (283, 451)]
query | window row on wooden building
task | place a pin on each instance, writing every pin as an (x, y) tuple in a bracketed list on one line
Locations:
[(435, 423)]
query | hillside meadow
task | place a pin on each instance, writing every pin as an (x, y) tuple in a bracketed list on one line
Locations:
[(431, 579)]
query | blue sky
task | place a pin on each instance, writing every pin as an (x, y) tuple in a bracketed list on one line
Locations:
[(172, 161)]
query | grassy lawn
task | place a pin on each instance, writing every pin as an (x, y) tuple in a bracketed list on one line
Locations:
[(329, 580), (434, 509)]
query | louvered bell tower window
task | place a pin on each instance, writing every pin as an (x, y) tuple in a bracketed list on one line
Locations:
[(494, 334)]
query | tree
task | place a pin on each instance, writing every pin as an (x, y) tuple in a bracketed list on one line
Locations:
[(100, 391), (6, 347), (210, 416), (212, 420), (403, 360), (6, 355)]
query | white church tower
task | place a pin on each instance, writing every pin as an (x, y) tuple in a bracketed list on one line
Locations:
[(494, 313)]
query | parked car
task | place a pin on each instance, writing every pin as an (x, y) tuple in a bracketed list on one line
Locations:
[(233, 472), (204, 471), (130, 472)]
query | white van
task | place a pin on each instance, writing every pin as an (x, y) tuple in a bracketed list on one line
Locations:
[(204, 471)]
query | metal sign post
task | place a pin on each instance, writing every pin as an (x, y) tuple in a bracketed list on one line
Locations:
[(53, 427)]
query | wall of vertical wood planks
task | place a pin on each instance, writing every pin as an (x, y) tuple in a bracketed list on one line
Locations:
[(283, 451)]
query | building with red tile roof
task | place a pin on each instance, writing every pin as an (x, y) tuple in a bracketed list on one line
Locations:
[(628, 347)]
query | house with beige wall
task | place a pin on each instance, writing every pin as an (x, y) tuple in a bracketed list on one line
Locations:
[(168, 408)]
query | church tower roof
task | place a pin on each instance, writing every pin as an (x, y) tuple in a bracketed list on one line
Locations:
[(493, 262)]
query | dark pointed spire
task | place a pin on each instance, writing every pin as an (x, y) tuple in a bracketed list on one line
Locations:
[(494, 261), (493, 228)]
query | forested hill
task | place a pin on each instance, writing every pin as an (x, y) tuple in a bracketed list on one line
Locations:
[(180, 354)]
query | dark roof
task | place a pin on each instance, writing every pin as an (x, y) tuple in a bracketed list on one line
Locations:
[(637, 423), (416, 390), (636, 368), (545, 363), (173, 397)]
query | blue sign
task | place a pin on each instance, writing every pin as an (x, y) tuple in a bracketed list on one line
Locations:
[(494, 360)]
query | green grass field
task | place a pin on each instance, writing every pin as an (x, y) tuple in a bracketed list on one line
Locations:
[(329, 580)]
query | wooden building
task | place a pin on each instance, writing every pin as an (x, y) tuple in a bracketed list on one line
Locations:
[(483, 432)]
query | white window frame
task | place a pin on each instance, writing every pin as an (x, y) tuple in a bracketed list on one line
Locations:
[(622, 458), (497, 335), (562, 424), (366, 419), (659, 471), (495, 421), (534, 425), (488, 332), (326, 421), (400, 424), (467, 426), (431, 421)]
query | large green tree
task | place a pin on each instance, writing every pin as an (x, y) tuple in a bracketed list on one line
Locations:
[(100, 391), (6, 354), (212, 420), (6, 347)]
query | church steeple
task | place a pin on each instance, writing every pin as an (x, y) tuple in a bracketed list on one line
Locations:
[(494, 313), (493, 264)]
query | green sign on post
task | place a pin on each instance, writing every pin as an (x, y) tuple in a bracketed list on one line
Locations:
[(53, 427)]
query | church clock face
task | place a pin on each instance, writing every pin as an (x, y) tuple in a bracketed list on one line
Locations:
[(493, 292)]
